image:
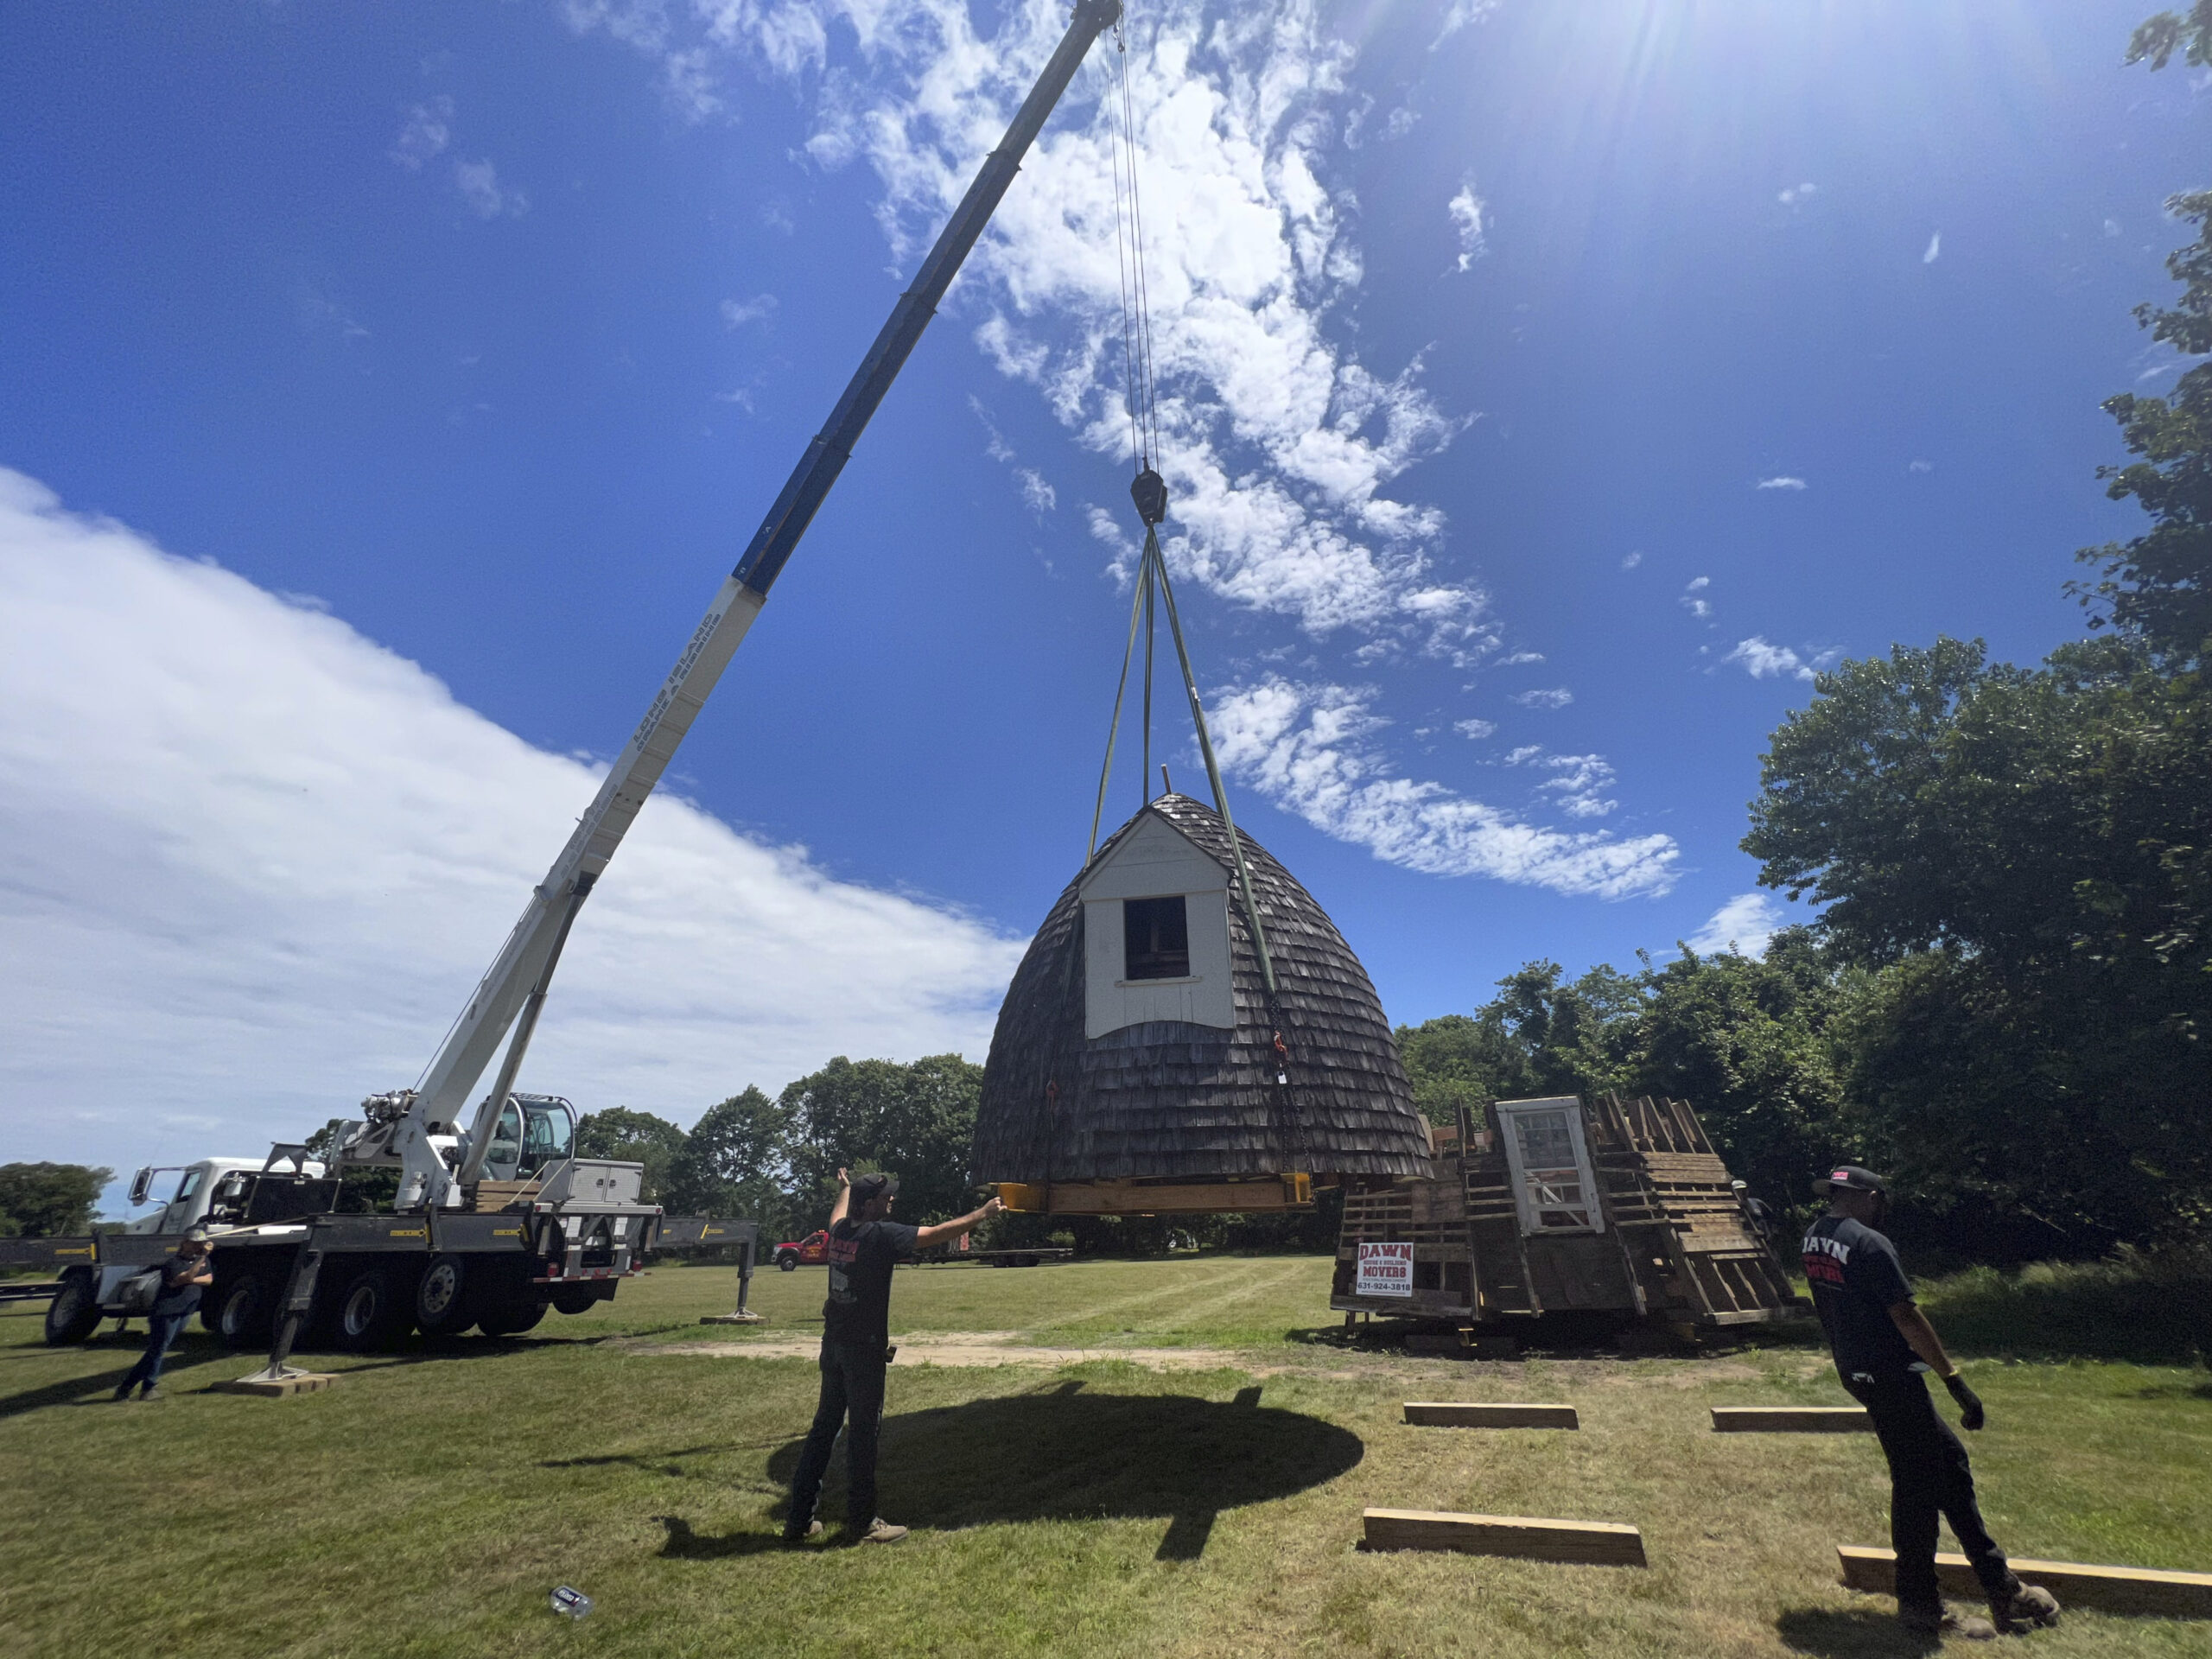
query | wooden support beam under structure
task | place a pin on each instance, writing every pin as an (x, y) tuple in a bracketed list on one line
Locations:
[(1279, 1193), (2139, 1590), (1791, 1420), (1468, 1414), (1597, 1543)]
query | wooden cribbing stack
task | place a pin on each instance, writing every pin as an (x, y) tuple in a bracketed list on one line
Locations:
[(2106, 1589), (1467, 1414), (1597, 1543), (1791, 1420)]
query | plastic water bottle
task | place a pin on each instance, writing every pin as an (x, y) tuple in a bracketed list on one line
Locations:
[(570, 1602)]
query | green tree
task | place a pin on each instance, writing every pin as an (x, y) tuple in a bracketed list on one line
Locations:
[(916, 1121), (736, 1162), (1746, 1041), (50, 1200), (363, 1189), (634, 1137)]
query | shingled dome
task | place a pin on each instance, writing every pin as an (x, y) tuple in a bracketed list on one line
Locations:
[(1137, 1045)]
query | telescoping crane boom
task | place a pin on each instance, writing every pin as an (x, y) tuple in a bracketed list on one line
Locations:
[(417, 1128)]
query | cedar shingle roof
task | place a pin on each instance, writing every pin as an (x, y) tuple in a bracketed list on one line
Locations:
[(1170, 1099)]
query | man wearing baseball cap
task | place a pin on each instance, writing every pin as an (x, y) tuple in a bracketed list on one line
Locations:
[(1883, 1347), (864, 1246)]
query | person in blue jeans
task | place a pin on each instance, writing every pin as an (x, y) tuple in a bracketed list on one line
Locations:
[(864, 1246), (183, 1276)]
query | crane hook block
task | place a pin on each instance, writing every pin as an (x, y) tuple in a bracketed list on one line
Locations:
[(1150, 492)]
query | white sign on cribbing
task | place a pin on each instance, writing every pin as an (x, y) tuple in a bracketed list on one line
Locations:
[(1385, 1270)]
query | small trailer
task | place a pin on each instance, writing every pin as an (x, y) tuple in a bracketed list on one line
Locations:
[(1539, 1207)]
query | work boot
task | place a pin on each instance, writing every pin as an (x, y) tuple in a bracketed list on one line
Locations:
[(881, 1531), (152, 1393), (1938, 1623), (2029, 1607), (123, 1393), (813, 1530)]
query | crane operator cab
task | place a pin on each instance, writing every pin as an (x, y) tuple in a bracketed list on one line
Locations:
[(534, 1134)]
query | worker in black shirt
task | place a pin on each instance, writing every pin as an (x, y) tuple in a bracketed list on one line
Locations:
[(864, 1245), (176, 1297), (1884, 1346)]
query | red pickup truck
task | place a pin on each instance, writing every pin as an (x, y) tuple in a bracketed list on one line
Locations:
[(813, 1250)]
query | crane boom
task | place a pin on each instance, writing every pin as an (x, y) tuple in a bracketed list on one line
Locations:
[(515, 986)]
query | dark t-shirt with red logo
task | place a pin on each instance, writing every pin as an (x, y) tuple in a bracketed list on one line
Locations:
[(1856, 1280), (862, 1255)]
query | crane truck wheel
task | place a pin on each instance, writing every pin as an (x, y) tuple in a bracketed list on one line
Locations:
[(443, 1307), (370, 1314), (511, 1318), (787, 1260), (243, 1313), (74, 1313)]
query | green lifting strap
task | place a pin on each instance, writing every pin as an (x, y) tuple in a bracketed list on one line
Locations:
[(1137, 609)]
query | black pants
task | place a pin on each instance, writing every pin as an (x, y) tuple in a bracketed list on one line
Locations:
[(851, 1395), (1928, 1477)]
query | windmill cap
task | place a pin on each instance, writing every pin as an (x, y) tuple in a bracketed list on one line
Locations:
[(1851, 1179)]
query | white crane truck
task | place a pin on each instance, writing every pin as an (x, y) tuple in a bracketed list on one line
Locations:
[(496, 1218)]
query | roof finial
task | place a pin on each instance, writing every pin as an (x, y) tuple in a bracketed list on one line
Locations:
[(1165, 788)]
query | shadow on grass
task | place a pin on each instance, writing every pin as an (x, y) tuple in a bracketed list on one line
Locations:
[(1852, 1633), (1569, 1334), (183, 1359), (1065, 1453)]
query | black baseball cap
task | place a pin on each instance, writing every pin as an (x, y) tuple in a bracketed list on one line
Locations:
[(867, 1189), (1851, 1179)]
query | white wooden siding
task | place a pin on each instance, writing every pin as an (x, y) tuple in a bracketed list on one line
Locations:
[(1155, 862)]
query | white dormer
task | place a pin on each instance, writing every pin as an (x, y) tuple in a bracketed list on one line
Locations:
[(1155, 928)]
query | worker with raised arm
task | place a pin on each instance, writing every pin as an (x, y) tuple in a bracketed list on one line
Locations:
[(1883, 1347), (177, 1298), (864, 1245)]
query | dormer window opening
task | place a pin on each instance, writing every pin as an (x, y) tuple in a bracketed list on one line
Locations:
[(1156, 938)]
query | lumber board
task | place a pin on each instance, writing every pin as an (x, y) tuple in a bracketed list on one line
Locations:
[(1470, 1414), (1791, 1420), (1598, 1543), (2105, 1589), (282, 1387)]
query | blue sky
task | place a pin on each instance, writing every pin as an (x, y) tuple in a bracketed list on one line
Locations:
[(1549, 390)]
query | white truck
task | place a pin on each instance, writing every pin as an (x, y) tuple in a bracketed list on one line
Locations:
[(495, 1218)]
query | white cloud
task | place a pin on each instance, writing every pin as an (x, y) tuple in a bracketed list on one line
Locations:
[(1475, 728), (737, 313), (256, 861), (1467, 210), (1743, 925), (1458, 14), (1700, 609), (2112, 227), (1782, 482), (1795, 194), (1307, 749), (427, 130), (1633, 560), (1695, 584), (1558, 698), (1036, 495), (1935, 249), (1920, 467), (1764, 662), (479, 183), (1280, 442)]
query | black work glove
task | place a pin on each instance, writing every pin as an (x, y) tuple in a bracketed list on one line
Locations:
[(1970, 1415)]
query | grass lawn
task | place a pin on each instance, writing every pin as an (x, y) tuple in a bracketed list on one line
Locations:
[(428, 1503)]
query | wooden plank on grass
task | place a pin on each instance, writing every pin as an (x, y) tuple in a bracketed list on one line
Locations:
[(280, 1388), (2106, 1589), (1601, 1544), (1467, 1414), (1791, 1420)]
